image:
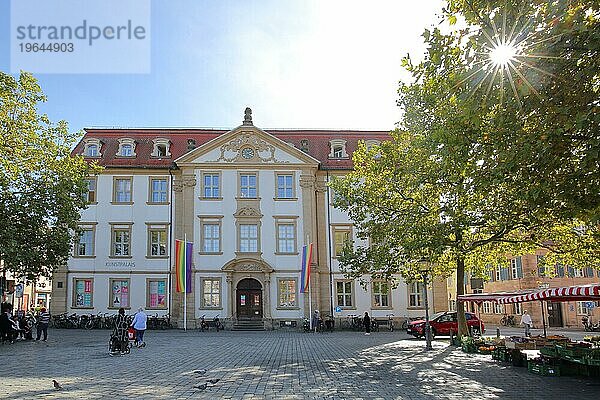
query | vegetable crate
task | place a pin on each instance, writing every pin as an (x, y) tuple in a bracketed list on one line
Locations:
[(543, 369)]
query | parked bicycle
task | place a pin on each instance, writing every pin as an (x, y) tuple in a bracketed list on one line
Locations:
[(508, 320)]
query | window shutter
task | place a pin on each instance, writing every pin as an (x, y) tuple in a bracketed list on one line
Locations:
[(571, 272), (588, 272), (504, 273), (519, 267), (541, 271), (560, 270)]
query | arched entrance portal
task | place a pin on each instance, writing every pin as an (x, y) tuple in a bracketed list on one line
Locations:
[(249, 299)]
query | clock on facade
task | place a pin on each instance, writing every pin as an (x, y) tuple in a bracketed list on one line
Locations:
[(247, 153)]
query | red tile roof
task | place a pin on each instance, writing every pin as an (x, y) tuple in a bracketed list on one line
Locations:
[(318, 144)]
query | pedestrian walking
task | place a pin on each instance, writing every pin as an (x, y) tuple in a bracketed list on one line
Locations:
[(119, 341), (140, 319), (367, 323), (5, 323), (42, 324), (315, 320), (526, 321)]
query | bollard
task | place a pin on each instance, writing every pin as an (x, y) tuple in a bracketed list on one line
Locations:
[(498, 333), (451, 337)]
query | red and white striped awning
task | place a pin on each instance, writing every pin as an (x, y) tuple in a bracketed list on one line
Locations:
[(570, 293), (481, 297)]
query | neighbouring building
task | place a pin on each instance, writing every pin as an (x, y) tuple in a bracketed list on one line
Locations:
[(248, 199), (525, 272)]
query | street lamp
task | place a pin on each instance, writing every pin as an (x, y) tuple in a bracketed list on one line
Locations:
[(425, 273)]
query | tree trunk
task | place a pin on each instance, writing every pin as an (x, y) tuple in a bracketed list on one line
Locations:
[(460, 289)]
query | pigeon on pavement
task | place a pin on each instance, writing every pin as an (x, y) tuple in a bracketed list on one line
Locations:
[(199, 371), (201, 387), (213, 381), (56, 384)]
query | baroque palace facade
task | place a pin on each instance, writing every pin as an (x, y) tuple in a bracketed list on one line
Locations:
[(248, 200)]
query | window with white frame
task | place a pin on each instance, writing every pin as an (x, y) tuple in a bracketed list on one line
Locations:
[(248, 188), (287, 293), (498, 308), (158, 190), (122, 192), (161, 147), (121, 241), (578, 272), (337, 148), (487, 307), (416, 292), (85, 245), (341, 236), (157, 293), (211, 236), (119, 293), (285, 186), (90, 194), (381, 294), (286, 237), (126, 148), (518, 308), (498, 273), (157, 241), (83, 293), (211, 293), (248, 238), (91, 147), (211, 188), (344, 295), (516, 268), (583, 309)]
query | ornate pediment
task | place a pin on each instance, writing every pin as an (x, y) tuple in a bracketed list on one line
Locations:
[(247, 265), (248, 147), (248, 212)]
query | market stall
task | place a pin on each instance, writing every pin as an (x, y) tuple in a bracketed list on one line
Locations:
[(546, 355)]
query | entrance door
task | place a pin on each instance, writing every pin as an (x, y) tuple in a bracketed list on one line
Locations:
[(249, 299), (554, 314)]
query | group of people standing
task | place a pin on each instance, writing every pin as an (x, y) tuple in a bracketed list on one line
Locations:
[(19, 326)]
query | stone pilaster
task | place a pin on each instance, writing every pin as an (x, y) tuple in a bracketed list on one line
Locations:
[(58, 300), (323, 244), (307, 185), (183, 228)]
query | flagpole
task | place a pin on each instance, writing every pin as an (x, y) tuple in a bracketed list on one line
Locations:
[(309, 285), (185, 282)]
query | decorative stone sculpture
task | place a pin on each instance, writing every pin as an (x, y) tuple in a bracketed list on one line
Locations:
[(248, 116)]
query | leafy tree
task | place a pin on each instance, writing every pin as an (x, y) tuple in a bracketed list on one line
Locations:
[(491, 154), (41, 184)]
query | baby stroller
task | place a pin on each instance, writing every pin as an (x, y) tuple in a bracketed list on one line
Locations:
[(119, 343)]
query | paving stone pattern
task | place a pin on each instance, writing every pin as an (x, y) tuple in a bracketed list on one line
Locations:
[(268, 365)]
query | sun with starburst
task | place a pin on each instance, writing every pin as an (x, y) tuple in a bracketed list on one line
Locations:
[(507, 58)]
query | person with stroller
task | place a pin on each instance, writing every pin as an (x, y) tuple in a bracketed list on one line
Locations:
[(119, 341), (140, 320)]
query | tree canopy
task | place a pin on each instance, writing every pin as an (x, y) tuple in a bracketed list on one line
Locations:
[(42, 185), (497, 150)]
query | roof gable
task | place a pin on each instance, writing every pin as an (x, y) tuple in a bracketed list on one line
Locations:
[(248, 145)]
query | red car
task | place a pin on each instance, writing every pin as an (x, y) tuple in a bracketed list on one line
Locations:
[(442, 323)]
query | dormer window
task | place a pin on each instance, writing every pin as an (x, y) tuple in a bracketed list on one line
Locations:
[(161, 148), (372, 142), (126, 148), (91, 148), (304, 145), (338, 148)]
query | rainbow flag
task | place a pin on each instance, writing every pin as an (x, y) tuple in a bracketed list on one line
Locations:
[(306, 259), (183, 266)]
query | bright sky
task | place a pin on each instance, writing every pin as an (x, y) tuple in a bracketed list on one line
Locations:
[(331, 64)]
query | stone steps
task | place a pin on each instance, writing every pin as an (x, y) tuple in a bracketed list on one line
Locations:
[(248, 325)]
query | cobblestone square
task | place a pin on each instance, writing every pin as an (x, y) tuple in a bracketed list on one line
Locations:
[(268, 365)]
